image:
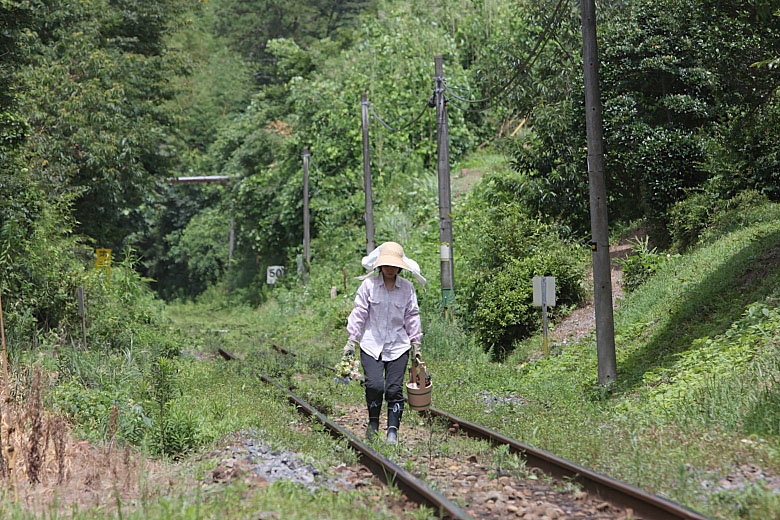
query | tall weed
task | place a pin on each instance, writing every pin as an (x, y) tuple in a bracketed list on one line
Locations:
[(642, 263)]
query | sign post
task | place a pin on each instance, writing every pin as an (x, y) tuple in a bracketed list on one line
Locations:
[(544, 296)]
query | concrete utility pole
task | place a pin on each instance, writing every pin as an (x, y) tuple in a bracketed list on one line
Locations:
[(602, 294), (306, 237), (369, 214), (445, 204), (231, 240)]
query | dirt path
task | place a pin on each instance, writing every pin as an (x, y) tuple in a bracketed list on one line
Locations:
[(579, 323)]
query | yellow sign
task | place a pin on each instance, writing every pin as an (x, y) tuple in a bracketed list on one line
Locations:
[(103, 261)]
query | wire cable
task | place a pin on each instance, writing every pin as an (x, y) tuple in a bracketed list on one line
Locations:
[(528, 62), (406, 125), (483, 109)]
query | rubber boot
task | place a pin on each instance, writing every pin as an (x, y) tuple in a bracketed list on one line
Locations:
[(373, 428), (394, 412), (373, 422)]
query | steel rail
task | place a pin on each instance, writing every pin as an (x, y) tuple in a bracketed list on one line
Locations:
[(384, 469), (281, 349), (644, 504)]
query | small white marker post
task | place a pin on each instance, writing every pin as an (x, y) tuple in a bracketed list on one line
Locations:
[(82, 313), (544, 296)]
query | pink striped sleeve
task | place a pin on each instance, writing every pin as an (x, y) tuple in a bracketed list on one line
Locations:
[(359, 315), (412, 318)]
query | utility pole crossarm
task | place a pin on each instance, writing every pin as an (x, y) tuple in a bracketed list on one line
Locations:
[(202, 178)]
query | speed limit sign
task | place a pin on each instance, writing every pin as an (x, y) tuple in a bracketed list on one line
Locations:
[(274, 272)]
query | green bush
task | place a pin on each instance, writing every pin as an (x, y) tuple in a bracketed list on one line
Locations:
[(688, 218), (123, 313), (502, 301), (182, 433), (503, 248), (691, 217), (91, 409)]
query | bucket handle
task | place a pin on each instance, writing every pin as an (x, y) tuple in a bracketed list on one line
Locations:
[(417, 373)]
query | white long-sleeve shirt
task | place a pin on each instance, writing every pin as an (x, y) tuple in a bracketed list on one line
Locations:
[(385, 321)]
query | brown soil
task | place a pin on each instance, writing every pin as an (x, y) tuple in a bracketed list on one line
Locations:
[(279, 127), (464, 180), (44, 467)]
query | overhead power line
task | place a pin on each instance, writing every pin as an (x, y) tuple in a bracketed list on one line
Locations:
[(529, 62), (386, 125), (320, 171)]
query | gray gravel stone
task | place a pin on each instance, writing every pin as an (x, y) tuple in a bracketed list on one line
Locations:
[(250, 452)]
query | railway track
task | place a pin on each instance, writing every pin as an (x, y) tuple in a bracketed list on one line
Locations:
[(471, 485)]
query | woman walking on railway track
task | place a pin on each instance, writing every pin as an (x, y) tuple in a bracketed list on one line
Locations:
[(385, 324)]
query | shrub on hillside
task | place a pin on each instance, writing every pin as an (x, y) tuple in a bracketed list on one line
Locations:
[(124, 315), (503, 248), (643, 262), (689, 218)]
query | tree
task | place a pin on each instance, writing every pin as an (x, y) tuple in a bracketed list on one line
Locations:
[(251, 24), (95, 90), (679, 95), (14, 18)]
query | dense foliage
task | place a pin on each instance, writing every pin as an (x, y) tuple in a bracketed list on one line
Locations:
[(83, 85), (684, 107), (505, 248), (95, 85), (102, 101)]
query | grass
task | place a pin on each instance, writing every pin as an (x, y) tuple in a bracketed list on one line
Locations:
[(280, 500), (216, 398), (697, 393)]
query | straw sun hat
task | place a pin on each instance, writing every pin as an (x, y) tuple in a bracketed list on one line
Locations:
[(391, 253)]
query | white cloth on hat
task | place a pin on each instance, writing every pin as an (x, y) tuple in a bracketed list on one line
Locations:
[(369, 261)]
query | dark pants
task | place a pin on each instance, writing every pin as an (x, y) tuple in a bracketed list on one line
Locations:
[(384, 378)]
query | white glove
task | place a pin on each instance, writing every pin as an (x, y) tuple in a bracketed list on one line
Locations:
[(349, 349), (416, 352)]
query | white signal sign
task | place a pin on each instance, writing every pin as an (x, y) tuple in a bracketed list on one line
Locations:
[(274, 272), (544, 291)]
